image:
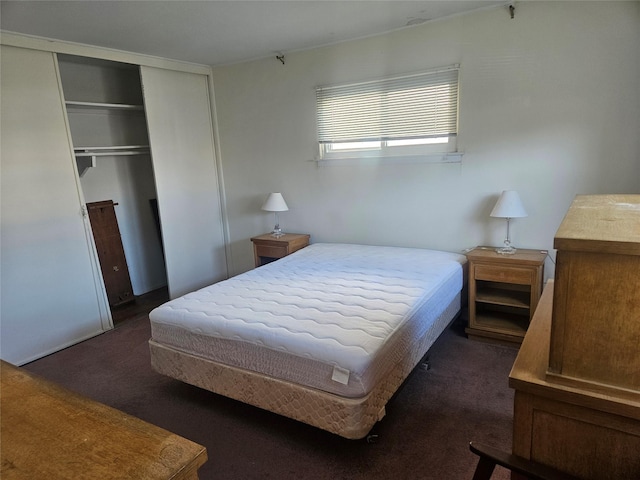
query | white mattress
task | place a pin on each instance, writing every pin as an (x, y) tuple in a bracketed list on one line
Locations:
[(335, 317)]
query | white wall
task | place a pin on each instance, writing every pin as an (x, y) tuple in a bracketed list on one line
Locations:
[(550, 106)]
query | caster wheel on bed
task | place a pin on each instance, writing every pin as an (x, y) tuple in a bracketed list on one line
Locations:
[(424, 364)]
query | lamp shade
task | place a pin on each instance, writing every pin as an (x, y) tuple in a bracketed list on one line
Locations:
[(509, 206), (275, 203)]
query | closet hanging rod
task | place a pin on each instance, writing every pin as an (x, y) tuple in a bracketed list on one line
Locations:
[(114, 106), (93, 207)]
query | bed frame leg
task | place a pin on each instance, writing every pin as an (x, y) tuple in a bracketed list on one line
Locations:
[(424, 363)]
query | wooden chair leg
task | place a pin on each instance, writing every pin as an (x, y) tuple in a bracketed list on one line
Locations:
[(484, 470)]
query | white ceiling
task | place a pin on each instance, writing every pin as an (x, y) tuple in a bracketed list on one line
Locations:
[(221, 32)]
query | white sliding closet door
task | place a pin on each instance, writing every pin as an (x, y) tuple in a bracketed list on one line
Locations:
[(47, 279), (181, 136)]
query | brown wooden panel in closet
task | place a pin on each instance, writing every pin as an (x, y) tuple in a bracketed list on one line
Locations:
[(110, 252)]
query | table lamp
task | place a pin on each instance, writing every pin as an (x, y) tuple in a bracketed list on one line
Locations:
[(508, 206), (275, 203)]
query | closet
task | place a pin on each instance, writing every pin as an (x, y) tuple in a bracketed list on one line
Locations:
[(139, 129), (104, 105)]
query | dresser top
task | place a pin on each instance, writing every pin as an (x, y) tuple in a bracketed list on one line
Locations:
[(522, 256), (51, 432), (601, 223)]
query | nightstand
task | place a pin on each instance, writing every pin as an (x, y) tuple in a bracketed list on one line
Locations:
[(503, 292), (267, 248)]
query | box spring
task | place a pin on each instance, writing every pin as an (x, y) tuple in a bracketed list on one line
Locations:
[(351, 418)]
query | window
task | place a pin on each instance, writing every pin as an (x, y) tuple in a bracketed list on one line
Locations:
[(412, 115)]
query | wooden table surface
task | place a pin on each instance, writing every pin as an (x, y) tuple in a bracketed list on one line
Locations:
[(48, 432)]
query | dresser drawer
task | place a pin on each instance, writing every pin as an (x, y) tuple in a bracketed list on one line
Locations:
[(504, 274)]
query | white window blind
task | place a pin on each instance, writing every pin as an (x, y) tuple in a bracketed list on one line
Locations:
[(417, 106)]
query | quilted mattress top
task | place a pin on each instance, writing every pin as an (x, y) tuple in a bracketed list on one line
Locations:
[(333, 303)]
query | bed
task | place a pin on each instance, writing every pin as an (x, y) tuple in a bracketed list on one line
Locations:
[(325, 335)]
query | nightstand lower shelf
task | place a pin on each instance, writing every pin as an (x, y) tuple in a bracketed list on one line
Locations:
[(500, 326)]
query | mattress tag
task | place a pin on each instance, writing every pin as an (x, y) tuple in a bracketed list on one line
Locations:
[(340, 375)]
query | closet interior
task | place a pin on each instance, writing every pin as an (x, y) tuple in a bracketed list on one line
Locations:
[(106, 114)]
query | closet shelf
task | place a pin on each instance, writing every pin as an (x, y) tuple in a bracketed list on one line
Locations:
[(108, 106)]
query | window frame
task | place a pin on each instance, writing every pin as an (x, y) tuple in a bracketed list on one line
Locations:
[(444, 149)]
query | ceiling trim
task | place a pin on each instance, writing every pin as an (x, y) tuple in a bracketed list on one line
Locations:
[(72, 48)]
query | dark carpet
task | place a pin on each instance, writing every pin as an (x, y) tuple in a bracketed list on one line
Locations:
[(463, 396)]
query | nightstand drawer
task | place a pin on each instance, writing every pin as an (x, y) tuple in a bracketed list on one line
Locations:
[(504, 274), (271, 251)]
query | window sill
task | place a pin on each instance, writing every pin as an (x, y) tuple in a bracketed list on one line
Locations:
[(455, 157)]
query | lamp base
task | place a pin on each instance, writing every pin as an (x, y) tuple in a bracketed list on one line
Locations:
[(507, 249), (277, 232)]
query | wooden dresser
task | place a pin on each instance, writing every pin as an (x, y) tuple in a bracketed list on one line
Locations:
[(577, 375)]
